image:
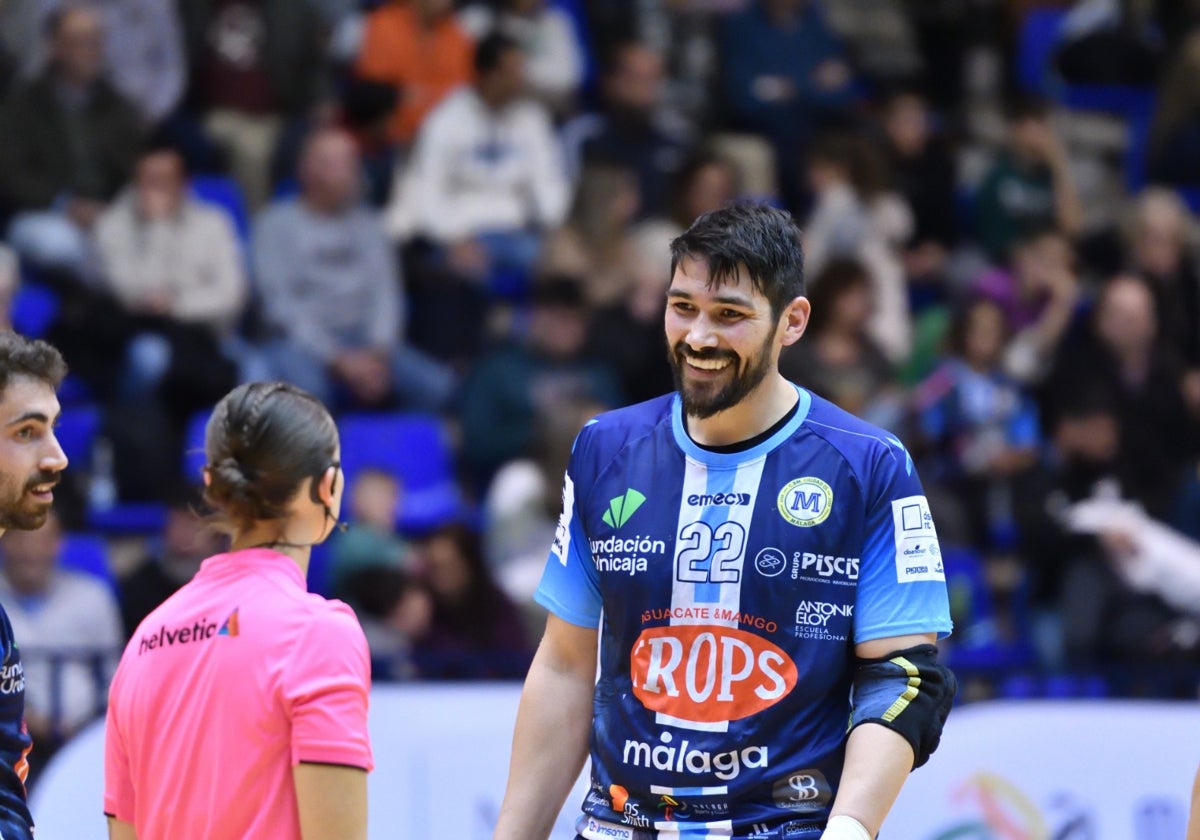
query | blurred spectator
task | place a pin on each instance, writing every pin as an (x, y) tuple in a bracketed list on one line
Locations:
[(186, 540), (553, 54), (396, 613), (175, 264), (632, 130), (1030, 187), (524, 501), (10, 282), (879, 36), (68, 141), (485, 181), (837, 358), (515, 384), (853, 217), (372, 540), (1121, 353), (627, 335), (143, 47), (477, 632), (982, 425), (1175, 134), (1109, 42), (595, 244), (705, 181), (420, 48), (1161, 242), (331, 290), (922, 171), (1038, 297), (253, 66), (69, 627), (783, 76)]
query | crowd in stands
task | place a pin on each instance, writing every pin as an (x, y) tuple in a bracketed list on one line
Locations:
[(461, 211)]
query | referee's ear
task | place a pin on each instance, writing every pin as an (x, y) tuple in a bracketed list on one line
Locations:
[(794, 320)]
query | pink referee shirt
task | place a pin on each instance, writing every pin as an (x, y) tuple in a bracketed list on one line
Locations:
[(233, 680)]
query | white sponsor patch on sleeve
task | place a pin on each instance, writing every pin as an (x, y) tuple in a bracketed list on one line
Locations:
[(918, 555), (562, 534)]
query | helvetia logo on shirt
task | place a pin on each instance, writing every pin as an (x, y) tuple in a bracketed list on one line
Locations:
[(622, 507), (197, 631), (806, 501)]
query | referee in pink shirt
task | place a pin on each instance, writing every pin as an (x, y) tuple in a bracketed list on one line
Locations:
[(239, 708)]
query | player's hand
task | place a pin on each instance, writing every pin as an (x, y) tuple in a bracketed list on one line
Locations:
[(365, 373), (468, 257), (84, 211)]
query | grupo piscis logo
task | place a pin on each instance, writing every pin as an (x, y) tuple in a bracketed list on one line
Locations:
[(806, 501)]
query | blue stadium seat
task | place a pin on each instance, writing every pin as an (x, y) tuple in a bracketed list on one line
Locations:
[(413, 448), (34, 309), (1036, 42), (76, 432), (225, 193), (193, 445), (87, 554), (979, 643), (133, 518)]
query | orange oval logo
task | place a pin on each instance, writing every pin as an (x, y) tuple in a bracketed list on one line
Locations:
[(708, 674)]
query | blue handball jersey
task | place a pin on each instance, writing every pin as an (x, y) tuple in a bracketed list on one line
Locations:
[(729, 590)]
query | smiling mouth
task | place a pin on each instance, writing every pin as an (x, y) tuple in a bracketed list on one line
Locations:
[(43, 490), (707, 364)]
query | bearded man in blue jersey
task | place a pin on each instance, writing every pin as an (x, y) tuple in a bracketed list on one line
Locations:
[(31, 463), (757, 573)]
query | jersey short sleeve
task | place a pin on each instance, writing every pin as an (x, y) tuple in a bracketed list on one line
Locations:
[(570, 587), (325, 687), (902, 585)]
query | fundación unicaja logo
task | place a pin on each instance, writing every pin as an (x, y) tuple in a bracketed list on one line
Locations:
[(622, 507)]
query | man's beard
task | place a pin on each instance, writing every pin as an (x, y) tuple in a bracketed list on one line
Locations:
[(17, 517), (704, 400)]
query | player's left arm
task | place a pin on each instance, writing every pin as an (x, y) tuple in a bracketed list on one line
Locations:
[(879, 755), (901, 693), (121, 830)]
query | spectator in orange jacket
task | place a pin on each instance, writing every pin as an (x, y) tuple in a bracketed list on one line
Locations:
[(419, 47)]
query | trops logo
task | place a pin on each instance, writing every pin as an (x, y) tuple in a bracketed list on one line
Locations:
[(708, 674), (622, 507)]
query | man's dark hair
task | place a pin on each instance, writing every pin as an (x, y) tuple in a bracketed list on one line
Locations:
[(491, 52), (762, 238), (32, 359), (262, 440), (1026, 106)]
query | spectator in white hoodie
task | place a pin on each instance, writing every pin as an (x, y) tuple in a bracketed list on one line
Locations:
[(486, 179)]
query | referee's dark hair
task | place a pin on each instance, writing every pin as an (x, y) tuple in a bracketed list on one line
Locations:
[(31, 359), (764, 239), (262, 440)]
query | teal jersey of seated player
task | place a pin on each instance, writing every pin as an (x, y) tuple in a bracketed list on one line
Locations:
[(729, 590)]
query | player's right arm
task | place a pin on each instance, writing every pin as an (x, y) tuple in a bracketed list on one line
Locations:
[(550, 741)]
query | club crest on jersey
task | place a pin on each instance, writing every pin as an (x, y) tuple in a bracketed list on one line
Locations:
[(806, 501)]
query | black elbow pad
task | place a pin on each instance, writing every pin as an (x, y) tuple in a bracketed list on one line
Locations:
[(907, 691)]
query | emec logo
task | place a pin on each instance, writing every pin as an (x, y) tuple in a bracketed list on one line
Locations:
[(805, 501), (622, 507)]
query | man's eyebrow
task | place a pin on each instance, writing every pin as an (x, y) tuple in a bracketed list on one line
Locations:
[(27, 416), (733, 300)]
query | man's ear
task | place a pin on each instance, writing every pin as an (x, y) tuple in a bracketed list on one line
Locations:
[(794, 320)]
